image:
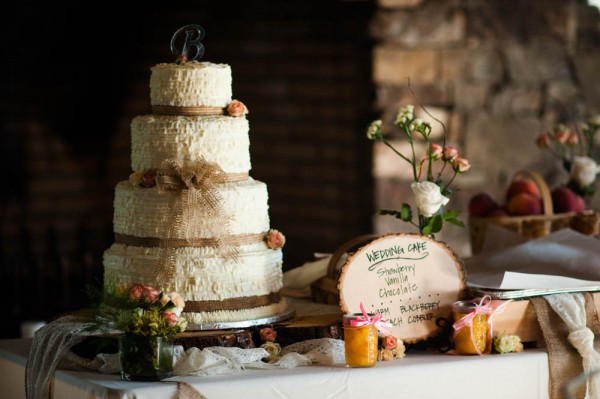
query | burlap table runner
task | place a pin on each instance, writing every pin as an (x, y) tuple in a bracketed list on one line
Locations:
[(564, 360)]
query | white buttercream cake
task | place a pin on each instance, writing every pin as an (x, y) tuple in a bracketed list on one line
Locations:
[(191, 84), (191, 121), (216, 138)]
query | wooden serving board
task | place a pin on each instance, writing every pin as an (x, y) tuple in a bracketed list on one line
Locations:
[(519, 318), (410, 279)]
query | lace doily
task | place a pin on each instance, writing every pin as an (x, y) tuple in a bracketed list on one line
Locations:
[(51, 349)]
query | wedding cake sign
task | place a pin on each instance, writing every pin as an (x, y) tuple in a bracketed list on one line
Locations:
[(410, 279)]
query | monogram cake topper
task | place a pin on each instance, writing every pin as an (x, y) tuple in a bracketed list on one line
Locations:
[(193, 36)]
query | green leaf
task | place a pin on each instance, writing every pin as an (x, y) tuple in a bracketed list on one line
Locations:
[(451, 214), (406, 213), (436, 223), (456, 222)]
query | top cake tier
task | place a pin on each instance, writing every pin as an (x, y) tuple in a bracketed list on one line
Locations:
[(192, 84)]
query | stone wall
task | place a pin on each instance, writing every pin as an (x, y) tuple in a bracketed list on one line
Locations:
[(496, 73)]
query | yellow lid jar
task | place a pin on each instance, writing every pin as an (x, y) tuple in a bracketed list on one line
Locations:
[(465, 342), (360, 342)]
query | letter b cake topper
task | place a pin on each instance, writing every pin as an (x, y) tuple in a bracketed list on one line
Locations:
[(193, 35)]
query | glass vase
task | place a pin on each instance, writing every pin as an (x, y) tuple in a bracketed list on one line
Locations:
[(145, 358)]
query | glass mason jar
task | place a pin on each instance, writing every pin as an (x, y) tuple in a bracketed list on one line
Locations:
[(145, 358), (360, 343), (464, 342)]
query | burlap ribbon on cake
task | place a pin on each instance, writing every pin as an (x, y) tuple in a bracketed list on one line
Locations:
[(571, 339), (194, 197), (187, 111)]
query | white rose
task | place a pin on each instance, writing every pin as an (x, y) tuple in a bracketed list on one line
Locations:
[(428, 197), (584, 170)]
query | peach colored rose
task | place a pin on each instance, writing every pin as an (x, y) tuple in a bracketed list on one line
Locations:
[(436, 150), (573, 138), (268, 334), (171, 318), (460, 164), (136, 178), (135, 292), (150, 295), (561, 136), (236, 108), (275, 239), (543, 140), (450, 153), (389, 342)]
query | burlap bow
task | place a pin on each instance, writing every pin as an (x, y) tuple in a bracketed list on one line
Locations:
[(194, 197)]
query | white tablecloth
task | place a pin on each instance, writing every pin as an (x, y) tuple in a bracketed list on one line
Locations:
[(418, 375)]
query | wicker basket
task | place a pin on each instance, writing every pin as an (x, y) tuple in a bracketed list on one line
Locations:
[(530, 226), (325, 289)]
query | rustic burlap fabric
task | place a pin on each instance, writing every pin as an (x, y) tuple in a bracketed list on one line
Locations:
[(565, 362)]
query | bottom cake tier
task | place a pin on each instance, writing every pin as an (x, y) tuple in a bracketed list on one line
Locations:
[(216, 290)]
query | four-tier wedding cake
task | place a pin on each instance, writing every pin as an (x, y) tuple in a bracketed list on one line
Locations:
[(190, 219)]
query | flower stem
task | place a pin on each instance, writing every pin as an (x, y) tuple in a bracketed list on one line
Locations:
[(396, 151)]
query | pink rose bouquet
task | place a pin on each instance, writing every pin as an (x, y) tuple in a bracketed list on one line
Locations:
[(147, 311), (574, 147)]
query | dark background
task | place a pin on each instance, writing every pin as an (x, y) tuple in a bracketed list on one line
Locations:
[(70, 88)]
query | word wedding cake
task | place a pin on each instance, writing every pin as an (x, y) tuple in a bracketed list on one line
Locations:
[(190, 219)]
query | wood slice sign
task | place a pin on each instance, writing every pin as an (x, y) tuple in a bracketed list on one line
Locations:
[(410, 279)]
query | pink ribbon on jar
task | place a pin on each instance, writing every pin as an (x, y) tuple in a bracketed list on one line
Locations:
[(366, 320), (483, 307)]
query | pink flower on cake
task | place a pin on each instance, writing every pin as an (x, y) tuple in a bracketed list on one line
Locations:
[(237, 108), (275, 239), (268, 334), (135, 292), (150, 294)]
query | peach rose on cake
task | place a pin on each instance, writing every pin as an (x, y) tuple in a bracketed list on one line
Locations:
[(236, 108), (275, 239)]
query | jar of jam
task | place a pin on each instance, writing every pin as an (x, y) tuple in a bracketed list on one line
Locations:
[(466, 343), (360, 342)]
